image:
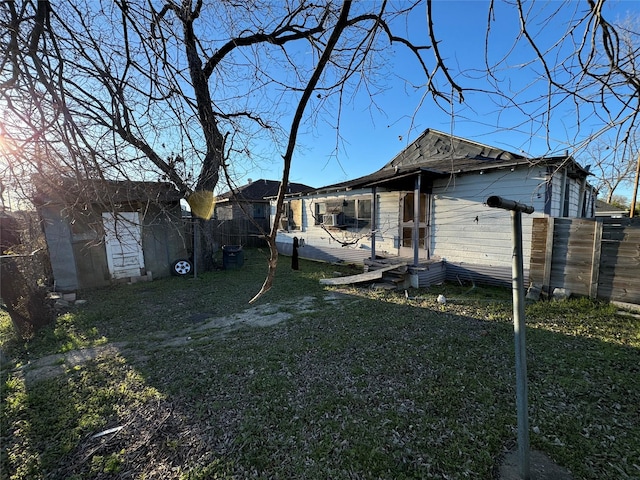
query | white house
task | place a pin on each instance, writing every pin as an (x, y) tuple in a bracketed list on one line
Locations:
[(429, 204)]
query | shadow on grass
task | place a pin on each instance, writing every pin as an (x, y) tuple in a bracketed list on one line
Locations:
[(364, 385)]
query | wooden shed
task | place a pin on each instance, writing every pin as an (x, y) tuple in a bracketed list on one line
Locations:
[(99, 232)]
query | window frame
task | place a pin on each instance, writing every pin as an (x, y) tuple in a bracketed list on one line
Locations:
[(354, 213)]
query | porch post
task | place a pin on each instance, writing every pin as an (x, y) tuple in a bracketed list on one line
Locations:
[(374, 227), (416, 219)]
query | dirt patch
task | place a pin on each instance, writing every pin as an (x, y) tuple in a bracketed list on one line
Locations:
[(57, 364), (264, 315), (541, 467), (205, 325)]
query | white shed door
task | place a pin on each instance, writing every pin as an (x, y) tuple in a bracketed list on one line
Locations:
[(123, 243)]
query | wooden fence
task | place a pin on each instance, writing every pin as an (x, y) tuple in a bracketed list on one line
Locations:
[(599, 258), (240, 231)]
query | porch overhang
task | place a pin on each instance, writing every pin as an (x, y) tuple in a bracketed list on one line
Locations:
[(405, 180)]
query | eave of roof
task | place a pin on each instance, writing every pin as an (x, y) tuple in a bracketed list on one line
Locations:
[(388, 176), (104, 192), (443, 168), (439, 155)]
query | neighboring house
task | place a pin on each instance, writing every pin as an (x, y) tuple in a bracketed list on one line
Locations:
[(604, 209), (243, 213), (428, 204), (100, 231), (252, 200)]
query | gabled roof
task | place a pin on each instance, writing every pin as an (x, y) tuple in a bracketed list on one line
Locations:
[(439, 154), (259, 189), (439, 149)]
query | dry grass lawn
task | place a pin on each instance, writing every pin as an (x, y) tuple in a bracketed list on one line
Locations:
[(181, 378)]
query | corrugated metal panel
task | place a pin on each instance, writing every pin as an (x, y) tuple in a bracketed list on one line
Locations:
[(431, 274), (481, 274)]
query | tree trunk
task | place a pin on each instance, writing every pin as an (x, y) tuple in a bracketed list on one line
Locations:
[(24, 300), (214, 140), (205, 245)]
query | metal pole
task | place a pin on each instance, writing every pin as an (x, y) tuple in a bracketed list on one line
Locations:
[(632, 210), (520, 345), (518, 327)]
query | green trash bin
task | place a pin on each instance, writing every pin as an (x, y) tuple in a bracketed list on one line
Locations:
[(232, 256)]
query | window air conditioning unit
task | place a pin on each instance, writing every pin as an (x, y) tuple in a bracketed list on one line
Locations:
[(331, 220)]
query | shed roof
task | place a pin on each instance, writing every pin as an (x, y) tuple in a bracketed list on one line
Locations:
[(103, 192)]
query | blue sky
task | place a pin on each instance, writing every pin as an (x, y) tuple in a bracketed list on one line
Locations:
[(372, 136)]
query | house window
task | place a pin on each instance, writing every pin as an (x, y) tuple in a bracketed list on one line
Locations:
[(409, 207), (329, 214), (364, 212), (284, 218), (567, 197), (320, 212), (291, 218), (352, 214), (357, 213), (224, 212), (259, 210)]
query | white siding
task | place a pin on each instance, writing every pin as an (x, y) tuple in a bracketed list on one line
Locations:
[(466, 230), (555, 184), (573, 190), (574, 194), (388, 229)]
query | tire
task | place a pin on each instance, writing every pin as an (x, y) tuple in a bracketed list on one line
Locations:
[(181, 268)]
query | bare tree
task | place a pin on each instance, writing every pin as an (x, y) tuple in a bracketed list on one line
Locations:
[(579, 74), (24, 274), (132, 87), (610, 171)]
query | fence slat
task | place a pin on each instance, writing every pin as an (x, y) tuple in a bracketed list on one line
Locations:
[(546, 275), (595, 261)]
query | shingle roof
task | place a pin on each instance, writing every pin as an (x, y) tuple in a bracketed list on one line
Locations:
[(439, 154), (439, 148), (604, 208), (259, 189), (97, 191)]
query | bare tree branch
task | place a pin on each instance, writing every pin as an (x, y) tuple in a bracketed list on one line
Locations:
[(338, 29)]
